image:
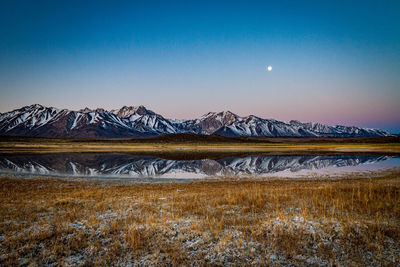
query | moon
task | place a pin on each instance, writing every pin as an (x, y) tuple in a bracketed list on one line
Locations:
[(269, 67)]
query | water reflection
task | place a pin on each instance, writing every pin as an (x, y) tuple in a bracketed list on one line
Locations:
[(123, 165)]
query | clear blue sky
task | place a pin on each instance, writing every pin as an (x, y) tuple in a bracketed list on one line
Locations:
[(336, 62)]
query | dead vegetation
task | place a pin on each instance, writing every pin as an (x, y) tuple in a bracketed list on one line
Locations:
[(279, 222), (198, 145)]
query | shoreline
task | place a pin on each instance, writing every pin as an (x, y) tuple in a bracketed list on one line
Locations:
[(211, 148), (153, 180)]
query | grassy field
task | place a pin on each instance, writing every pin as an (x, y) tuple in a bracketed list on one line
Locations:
[(348, 222), (202, 144)]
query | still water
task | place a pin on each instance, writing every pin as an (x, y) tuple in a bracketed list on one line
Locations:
[(142, 166)]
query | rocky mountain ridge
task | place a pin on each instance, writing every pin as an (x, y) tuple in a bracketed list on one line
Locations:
[(138, 121)]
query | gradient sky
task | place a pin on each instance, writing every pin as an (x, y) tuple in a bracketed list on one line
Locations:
[(336, 62)]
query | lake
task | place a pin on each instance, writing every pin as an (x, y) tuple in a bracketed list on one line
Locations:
[(115, 165)]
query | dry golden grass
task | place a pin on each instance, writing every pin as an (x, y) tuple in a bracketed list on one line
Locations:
[(200, 148), (278, 222), (201, 144)]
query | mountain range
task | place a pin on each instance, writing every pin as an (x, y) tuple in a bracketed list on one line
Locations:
[(138, 121)]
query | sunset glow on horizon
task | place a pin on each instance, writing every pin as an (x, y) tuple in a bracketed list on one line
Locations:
[(333, 62)]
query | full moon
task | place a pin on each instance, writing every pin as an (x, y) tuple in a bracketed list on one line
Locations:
[(269, 67)]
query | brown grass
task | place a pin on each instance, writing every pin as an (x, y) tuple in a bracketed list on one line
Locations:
[(301, 222), (194, 144)]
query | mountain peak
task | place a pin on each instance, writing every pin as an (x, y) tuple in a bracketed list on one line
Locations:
[(127, 111), (86, 110), (227, 113), (224, 114), (141, 110), (34, 106)]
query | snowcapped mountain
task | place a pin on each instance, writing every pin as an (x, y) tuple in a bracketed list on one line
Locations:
[(338, 130), (145, 121), (208, 123), (255, 126), (38, 120)]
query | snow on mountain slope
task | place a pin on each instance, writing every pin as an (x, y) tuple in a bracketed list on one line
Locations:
[(208, 123), (37, 120), (144, 120), (29, 117), (255, 126), (338, 130), (125, 111)]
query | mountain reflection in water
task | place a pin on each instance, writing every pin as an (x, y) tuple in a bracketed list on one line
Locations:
[(132, 166)]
